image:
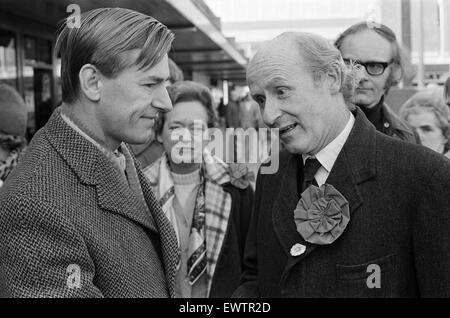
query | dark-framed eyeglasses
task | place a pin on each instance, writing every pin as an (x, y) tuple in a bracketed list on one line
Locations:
[(372, 67)]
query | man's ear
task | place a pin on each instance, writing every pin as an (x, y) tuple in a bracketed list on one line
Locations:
[(89, 77), (159, 137), (334, 79), (396, 74)]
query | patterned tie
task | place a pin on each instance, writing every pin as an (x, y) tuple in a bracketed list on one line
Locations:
[(196, 263), (309, 170)]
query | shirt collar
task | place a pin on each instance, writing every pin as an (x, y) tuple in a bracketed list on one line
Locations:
[(328, 155), (116, 156)]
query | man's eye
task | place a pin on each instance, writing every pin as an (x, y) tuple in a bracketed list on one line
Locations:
[(260, 100), (150, 85), (374, 67), (282, 91)]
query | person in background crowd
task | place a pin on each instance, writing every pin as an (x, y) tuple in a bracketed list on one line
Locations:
[(13, 125), (427, 113), (150, 151), (221, 113), (77, 215), (374, 47), (232, 110), (207, 201), (447, 91), (249, 114), (351, 212)]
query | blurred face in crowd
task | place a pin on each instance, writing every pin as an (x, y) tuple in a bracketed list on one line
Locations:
[(290, 99), (426, 125), (180, 119), (368, 46), (131, 101)]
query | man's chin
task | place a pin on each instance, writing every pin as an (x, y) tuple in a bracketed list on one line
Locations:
[(293, 148)]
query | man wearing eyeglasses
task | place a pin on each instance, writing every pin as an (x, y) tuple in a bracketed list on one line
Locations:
[(374, 47)]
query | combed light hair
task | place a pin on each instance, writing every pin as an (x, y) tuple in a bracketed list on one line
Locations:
[(402, 67), (103, 38), (321, 57), (432, 101)]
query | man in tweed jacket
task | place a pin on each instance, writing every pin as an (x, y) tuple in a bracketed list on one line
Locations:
[(77, 216)]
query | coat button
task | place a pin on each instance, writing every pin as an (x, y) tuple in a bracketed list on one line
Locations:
[(298, 249), (386, 125)]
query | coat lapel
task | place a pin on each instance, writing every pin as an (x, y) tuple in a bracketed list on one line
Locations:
[(351, 168), (115, 195), (93, 168), (169, 245), (284, 206), (113, 192)]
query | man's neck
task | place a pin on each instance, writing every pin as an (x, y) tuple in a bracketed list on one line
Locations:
[(84, 117), (374, 114), (339, 122)]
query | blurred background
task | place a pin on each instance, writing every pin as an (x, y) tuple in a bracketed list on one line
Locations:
[(215, 39)]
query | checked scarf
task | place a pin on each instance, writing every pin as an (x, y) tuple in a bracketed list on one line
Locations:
[(211, 214)]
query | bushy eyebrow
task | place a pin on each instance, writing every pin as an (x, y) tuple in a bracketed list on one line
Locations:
[(275, 80)]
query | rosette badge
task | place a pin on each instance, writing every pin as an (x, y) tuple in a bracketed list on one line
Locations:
[(322, 214)]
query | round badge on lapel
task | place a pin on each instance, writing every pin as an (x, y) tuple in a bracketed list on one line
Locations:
[(298, 249)]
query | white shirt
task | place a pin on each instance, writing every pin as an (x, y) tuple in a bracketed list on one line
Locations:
[(328, 155)]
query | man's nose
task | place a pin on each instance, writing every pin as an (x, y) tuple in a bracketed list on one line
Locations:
[(420, 134), (363, 75), (271, 112), (162, 100)]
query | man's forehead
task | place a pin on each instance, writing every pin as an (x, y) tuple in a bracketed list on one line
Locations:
[(367, 45), (271, 64), (160, 69)]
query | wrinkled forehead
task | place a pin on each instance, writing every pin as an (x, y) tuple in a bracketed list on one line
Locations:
[(275, 59)]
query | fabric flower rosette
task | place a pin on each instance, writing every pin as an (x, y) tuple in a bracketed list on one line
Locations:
[(322, 214)]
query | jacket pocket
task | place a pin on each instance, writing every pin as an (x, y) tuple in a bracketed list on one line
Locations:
[(374, 278)]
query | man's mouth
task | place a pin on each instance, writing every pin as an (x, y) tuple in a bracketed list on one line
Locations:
[(286, 129)]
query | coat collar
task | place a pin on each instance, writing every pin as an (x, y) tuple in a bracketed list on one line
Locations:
[(396, 125), (352, 167), (113, 193), (93, 168)]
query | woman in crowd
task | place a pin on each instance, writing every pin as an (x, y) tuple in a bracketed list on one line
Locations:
[(13, 124), (427, 113), (207, 201)]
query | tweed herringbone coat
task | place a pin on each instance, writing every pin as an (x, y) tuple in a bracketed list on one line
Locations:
[(70, 226)]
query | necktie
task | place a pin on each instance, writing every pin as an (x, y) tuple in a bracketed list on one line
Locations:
[(309, 170)]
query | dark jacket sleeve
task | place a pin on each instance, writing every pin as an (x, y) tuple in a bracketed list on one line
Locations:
[(41, 252), (431, 236), (248, 286)]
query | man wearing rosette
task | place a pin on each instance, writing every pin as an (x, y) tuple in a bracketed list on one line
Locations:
[(351, 212)]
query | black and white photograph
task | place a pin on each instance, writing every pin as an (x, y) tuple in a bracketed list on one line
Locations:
[(224, 154)]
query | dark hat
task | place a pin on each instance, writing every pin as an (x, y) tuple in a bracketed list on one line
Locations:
[(13, 112)]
